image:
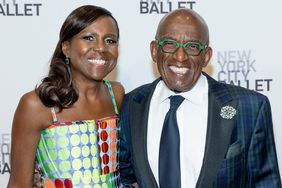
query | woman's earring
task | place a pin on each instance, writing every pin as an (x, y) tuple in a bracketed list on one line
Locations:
[(67, 61)]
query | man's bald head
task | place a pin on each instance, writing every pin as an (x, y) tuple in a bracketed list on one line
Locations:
[(184, 17)]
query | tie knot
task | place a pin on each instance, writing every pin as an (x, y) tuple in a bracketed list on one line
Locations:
[(175, 101)]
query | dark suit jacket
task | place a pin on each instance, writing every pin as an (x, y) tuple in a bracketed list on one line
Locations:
[(239, 152)]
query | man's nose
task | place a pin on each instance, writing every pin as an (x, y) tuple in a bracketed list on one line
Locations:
[(180, 54)]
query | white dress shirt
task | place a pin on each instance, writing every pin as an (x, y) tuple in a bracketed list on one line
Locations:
[(192, 122)]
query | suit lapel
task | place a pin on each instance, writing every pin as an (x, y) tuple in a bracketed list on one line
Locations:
[(139, 122), (218, 133)]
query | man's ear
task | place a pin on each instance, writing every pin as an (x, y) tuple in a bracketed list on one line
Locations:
[(208, 55), (154, 50), (66, 48)]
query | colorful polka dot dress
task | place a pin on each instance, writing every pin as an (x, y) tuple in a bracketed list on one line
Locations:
[(80, 154)]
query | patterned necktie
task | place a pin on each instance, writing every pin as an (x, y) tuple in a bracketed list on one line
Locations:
[(169, 160)]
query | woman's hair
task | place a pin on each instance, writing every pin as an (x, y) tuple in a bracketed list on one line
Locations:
[(57, 88)]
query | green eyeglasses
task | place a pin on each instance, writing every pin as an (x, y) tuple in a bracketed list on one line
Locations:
[(171, 46)]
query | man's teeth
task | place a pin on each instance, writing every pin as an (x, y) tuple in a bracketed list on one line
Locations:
[(97, 61), (179, 70)]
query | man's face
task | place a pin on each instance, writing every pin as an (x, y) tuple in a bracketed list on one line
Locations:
[(179, 70)]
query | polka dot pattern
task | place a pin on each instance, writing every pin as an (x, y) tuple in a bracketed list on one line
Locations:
[(107, 131), (80, 154), (57, 183)]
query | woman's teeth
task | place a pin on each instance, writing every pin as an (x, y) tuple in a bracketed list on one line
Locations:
[(97, 61)]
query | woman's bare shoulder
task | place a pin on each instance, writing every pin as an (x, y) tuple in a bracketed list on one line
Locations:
[(31, 107), (31, 102)]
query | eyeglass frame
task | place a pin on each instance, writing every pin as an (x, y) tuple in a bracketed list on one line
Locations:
[(202, 46)]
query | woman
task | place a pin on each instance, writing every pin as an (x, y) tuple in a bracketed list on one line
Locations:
[(69, 123)]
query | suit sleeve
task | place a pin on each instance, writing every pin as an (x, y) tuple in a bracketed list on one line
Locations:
[(125, 159), (262, 162)]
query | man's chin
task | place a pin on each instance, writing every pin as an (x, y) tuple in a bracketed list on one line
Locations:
[(178, 89)]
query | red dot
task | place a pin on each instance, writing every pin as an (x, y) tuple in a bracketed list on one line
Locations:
[(105, 159), (106, 170), (68, 183), (104, 135), (59, 183), (105, 147), (103, 125)]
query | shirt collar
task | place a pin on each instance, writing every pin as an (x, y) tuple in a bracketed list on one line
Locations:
[(195, 95)]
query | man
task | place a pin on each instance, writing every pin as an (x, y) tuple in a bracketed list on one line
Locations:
[(225, 132)]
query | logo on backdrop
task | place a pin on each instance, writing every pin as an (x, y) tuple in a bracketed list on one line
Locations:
[(5, 143), (163, 6), (14, 8), (236, 68)]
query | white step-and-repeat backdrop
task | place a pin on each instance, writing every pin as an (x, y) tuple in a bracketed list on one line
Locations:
[(245, 36)]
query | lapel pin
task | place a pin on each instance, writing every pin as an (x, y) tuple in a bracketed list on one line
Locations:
[(227, 112)]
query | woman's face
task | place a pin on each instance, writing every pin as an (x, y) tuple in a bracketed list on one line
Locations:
[(93, 52)]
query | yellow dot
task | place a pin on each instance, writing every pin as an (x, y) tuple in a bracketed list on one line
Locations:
[(77, 175), (95, 162), (75, 152), (74, 140), (53, 154), (95, 176), (103, 178), (65, 166), (51, 143), (104, 185), (83, 128), (62, 130), (91, 126), (84, 139), (97, 186), (85, 151), (92, 138), (86, 177), (63, 142), (93, 150), (76, 164), (74, 129), (64, 154), (86, 163)]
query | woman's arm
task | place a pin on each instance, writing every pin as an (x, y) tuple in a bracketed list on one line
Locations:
[(27, 125)]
